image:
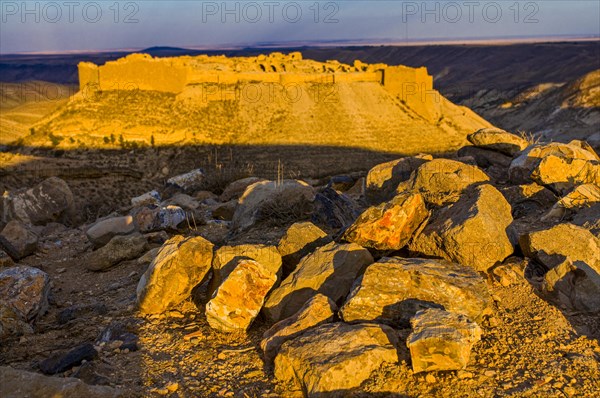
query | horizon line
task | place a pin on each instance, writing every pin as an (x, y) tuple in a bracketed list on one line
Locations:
[(501, 40)]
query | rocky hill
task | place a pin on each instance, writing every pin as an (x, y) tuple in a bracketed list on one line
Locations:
[(274, 100)]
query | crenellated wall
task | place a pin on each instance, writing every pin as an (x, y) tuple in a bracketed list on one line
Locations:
[(412, 86)]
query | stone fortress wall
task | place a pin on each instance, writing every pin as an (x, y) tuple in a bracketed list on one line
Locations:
[(413, 86)]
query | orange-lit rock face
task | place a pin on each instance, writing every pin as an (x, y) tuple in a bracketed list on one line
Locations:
[(390, 225), (238, 300)]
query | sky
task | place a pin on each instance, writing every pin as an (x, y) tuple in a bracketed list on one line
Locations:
[(70, 25)]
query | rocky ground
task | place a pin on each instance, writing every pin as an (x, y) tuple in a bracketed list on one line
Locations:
[(470, 276)]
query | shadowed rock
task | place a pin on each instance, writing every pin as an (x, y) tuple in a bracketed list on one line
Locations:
[(316, 311), (393, 289), (333, 358), (267, 197), (329, 270), (61, 362), (18, 240), (333, 209), (23, 298), (441, 340), (48, 201), (20, 383), (120, 248), (471, 231), (181, 264), (101, 232), (390, 225)]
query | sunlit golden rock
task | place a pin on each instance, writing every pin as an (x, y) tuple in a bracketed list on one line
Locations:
[(316, 311), (383, 179), (181, 264), (390, 225), (226, 259), (472, 231), (238, 300), (393, 289), (525, 164), (329, 270), (331, 359), (441, 340), (498, 140), (441, 181)]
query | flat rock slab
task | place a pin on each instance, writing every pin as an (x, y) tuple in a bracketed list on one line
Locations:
[(332, 359), (238, 300), (441, 340), (318, 310), (390, 225), (329, 270), (181, 264), (393, 289), (472, 231)]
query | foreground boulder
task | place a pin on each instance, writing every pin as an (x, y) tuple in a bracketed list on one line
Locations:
[(334, 358), (441, 181), (48, 201), (393, 289), (120, 248), (300, 239), (383, 179), (18, 240), (316, 311), (101, 232), (572, 255), (181, 264), (23, 298), (472, 231), (523, 166), (390, 225), (271, 199), (441, 340), (498, 140), (329, 270), (20, 383), (238, 300), (226, 259)]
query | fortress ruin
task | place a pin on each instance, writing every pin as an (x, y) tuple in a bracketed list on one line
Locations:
[(412, 86)]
